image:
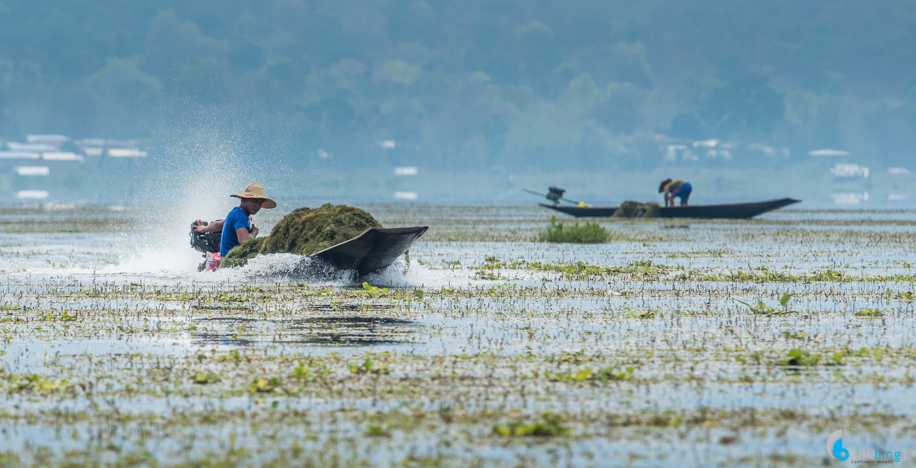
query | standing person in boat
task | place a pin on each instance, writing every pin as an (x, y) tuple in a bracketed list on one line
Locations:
[(238, 221), (675, 189)]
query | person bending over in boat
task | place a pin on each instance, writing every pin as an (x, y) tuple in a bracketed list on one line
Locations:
[(238, 220), (675, 189)]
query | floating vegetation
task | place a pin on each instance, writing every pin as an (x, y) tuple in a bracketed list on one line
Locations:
[(761, 308), (798, 357), (869, 313), (589, 233), (550, 425), (369, 367), (648, 269), (603, 375), (582, 270)]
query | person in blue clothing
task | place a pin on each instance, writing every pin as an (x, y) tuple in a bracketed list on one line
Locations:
[(237, 227), (675, 189)]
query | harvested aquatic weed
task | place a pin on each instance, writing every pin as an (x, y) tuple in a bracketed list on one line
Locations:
[(306, 231), (635, 209), (243, 252)]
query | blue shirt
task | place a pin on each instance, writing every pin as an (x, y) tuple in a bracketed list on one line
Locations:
[(234, 220)]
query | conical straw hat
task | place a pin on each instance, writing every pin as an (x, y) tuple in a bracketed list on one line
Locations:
[(256, 191)]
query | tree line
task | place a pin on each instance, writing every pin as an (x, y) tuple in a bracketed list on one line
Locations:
[(513, 84)]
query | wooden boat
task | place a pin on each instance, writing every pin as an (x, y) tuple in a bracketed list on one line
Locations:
[(373, 250), (724, 211)]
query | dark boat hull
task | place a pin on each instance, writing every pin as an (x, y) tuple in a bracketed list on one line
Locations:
[(372, 250), (724, 211)]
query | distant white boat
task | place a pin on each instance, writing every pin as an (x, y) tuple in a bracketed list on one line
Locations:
[(405, 195), (828, 152), (33, 170), (849, 198), (53, 140), (32, 194), (849, 171), (18, 155), (30, 147), (59, 156), (406, 171), (711, 143), (126, 153)]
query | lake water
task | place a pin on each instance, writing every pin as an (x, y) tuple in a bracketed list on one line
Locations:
[(648, 350)]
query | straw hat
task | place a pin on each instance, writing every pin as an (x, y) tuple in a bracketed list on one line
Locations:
[(256, 191)]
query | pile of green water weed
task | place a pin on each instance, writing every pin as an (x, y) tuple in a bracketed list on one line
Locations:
[(590, 233), (306, 231), (635, 209)]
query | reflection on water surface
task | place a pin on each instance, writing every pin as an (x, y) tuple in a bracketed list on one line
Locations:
[(333, 330)]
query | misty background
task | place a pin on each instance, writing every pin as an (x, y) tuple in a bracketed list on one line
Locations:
[(324, 99)]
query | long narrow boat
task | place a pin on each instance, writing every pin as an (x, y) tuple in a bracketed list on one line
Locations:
[(373, 250), (724, 211)]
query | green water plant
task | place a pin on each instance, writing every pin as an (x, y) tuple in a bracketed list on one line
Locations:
[(375, 430), (602, 375), (612, 374), (550, 425), (368, 367), (761, 308), (582, 270), (374, 291), (907, 297), (799, 357), (262, 385), (589, 233), (869, 313), (205, 378)]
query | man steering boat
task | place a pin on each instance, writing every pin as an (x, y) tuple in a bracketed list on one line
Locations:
[(237, 227)]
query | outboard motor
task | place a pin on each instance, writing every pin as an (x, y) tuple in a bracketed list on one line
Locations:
[(206, 242), (555, 194)]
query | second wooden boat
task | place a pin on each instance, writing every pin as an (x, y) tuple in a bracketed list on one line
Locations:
[(722, 211)]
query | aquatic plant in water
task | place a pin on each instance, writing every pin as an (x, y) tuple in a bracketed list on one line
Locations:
[(590, 233), (761, 308), (799, 357), (869, 313), (550, 425)]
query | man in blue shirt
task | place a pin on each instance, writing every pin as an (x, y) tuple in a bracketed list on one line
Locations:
[(675, 189), (237, 227)]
